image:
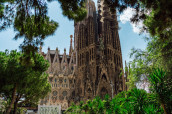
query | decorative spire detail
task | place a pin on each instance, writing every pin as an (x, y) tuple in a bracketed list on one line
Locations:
[(71, 47)]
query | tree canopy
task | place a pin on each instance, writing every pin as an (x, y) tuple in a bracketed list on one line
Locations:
[(18, 82), (158, 10), (135, 101), (31, 22)]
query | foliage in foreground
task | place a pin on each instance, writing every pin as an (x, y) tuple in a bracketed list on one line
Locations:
[(21, 84), (135, 101), (161, 85), (31, 21)]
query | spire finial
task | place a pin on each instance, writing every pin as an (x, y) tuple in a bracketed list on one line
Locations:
[(71, 36), (71, 48)]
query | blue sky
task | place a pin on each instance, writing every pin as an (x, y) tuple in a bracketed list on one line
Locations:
[(128, 33)]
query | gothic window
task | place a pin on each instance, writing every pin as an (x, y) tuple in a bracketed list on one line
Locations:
[(65, 80), (54, 93), (82, 37), (92, 53), (82, 59), (64, 93), (116, 68), (104, 77), (73, 93), (55, 80), (78, 60), (86, 37), (103, 92), (118, 60), (70, 81), (80, 40), (72, 68), (89, 90)]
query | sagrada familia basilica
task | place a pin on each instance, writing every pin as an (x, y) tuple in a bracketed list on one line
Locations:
[(93, 66)]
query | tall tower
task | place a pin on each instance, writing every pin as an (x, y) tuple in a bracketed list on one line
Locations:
[(85, 44), (98, 53), (110, 61)]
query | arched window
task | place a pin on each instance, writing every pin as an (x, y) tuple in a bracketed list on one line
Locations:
[(104, 77), (54, 93), (65, 80), (64, 93), (103, 92), (72, 68)]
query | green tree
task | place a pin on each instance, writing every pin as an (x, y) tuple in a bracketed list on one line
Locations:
[(34, 88), (134, 101), (31, 22), (21, 82), (157, 54), (163, 88), (161, 10)]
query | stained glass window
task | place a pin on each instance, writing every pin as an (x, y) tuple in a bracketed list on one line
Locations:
[(64, 93), (54, 93)]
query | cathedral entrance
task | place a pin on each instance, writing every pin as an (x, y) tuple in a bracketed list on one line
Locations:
[(103, 92)]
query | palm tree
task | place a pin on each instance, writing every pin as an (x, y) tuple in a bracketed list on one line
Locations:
[(162, 86)]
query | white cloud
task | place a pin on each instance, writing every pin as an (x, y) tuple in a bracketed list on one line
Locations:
[(137, 27), (127, 15)]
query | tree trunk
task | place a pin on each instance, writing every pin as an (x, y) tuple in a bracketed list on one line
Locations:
[(13, 99), (164, 108), (15, 106)]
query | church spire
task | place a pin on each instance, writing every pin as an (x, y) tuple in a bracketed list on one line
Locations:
[(91, 9), (71, 47)]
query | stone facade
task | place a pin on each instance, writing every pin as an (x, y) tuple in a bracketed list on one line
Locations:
[(94, 66), (61, 76)]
